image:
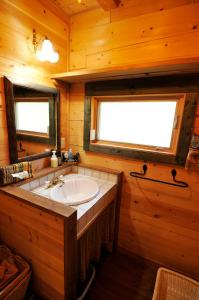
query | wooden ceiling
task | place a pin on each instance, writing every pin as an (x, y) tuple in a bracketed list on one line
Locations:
[(71, 7)]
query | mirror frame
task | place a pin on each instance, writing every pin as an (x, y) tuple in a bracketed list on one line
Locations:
[(10, 115)]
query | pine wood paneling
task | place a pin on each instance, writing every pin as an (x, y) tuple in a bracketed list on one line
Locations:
[(4, 152), (17, 58), (33, 148), (148, 35), (108, 4), (39, 237), (158, 222), (129, 8), (73, 7)]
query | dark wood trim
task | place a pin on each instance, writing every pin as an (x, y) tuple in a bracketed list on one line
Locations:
[(35, 156), (87, 123), (33, 138), (141, 86), (10, 116), (186, 129), (117, 210), (31, 99), (70, 257), (51, 139), (57, 107), (52, 120), (188, 84), (39, 91), (26, 89)]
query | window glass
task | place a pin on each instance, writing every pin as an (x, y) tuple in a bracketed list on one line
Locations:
[(147, 123), (32, 116)]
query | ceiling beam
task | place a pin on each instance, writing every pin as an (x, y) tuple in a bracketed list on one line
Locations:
[(108, 4), (55, 9)]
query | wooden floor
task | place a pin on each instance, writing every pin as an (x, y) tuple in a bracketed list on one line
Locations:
[(122, 277)]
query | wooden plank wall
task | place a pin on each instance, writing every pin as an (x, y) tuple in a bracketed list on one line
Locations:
[(34, 147), (4, 150), (136, 32), (38, 237), (158, 222), (17, 58)]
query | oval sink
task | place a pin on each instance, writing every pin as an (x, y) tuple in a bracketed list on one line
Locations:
[(75, 191)]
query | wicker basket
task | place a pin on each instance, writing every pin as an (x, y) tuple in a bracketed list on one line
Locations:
[(24, 272), (19, 291), (173, 286)]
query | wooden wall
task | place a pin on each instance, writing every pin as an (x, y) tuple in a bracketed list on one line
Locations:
[(38, 237), (33, 148), (17, 58), (4, 151), (158, 222), (137, 32)]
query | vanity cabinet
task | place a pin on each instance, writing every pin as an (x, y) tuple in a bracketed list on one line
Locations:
[(47, 233)]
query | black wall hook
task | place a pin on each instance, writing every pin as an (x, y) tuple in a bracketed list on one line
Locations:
[(144, 167), (141, 175), (181, 183)]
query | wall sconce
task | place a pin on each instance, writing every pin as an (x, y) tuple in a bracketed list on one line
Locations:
[(44, 49)]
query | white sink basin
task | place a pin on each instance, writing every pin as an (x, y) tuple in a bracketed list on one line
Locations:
[(75, 191)]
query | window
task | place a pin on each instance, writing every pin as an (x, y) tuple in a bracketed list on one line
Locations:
[(35, 119), (140, 122), (151, 127), (32, 118)]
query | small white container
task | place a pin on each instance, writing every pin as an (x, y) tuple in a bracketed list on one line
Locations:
[(54, 160)]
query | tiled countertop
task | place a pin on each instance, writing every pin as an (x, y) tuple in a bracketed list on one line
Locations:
[(85, 211), (106, 178)]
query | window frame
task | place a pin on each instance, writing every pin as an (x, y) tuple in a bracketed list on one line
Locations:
[(120, 89), (180, 99), (35, 136)]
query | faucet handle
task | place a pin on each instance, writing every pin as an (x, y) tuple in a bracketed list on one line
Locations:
[(47, 184), (61, 177)]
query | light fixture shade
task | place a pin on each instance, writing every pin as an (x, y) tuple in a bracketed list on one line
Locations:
[(46, 53)]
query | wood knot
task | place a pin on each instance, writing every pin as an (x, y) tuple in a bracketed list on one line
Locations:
[(156, 216), (195, 27)]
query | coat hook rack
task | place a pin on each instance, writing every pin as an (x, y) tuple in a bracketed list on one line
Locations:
[(142, 174)]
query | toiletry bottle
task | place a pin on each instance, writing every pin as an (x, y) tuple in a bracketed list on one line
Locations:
[(59, 157), (66, 156), (70, 155), (54, 160)]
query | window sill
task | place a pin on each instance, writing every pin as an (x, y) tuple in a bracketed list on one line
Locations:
[(146, 155), (130, 147)]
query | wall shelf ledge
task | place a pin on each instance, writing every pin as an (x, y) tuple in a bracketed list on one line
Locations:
[(158, 68)]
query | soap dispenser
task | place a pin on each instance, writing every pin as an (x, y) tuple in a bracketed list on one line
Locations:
[(70, 155), (54, 160)]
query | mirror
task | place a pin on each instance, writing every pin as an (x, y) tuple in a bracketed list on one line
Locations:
[(32, 120)]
